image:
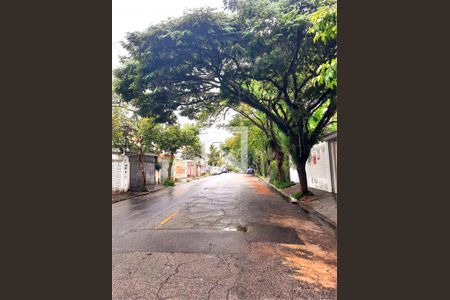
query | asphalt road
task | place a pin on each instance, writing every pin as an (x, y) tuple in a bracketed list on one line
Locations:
[(222, 237)]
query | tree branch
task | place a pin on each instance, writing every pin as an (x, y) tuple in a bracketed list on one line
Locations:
[(331, 110)]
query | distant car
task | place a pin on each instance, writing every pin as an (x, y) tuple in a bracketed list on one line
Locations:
[(215, 170), (250, 171)]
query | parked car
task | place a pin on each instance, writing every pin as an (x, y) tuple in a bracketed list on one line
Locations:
[(215, 170), (250, 171)]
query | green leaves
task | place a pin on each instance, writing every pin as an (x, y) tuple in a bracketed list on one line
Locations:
[(214, 158), (324, 30), (130, 132), (173, 137), (277, 57), (324, 24), (327, 74)]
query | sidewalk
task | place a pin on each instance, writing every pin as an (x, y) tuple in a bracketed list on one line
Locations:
[(131, 194), (323, 204)]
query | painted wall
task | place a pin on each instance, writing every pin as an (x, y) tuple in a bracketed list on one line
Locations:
[(180, 168), (190, 168), (120, 173), (318, 168)]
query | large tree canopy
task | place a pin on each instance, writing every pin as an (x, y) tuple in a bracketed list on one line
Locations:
[(278, 57)]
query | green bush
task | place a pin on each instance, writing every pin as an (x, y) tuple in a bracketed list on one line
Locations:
[(273, 171), (169, 182), (296, 195), (283, 184)]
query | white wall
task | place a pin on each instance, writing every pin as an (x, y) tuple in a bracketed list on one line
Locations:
[(318, 170), (293, 171), (120, 173)]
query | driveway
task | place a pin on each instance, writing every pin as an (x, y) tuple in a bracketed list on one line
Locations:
[(222, 237)]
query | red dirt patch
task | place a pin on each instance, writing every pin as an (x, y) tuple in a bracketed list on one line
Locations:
[(259, 186)]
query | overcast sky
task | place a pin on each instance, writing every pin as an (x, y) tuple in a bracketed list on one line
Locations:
[(137, 15)]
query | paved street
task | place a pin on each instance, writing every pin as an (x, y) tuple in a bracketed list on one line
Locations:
[(228, 236)]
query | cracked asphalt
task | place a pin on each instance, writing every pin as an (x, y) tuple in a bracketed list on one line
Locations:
[(229, 236)]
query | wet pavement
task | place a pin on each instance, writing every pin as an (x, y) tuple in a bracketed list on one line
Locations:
[(229, 236)]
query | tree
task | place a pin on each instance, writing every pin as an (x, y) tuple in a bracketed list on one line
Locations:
[(121, 129), (277, 57), (142, 140), (123, 124), (232, 146), (132, 133), (214, 158), (265, 142), (174, 137), (273, 139)]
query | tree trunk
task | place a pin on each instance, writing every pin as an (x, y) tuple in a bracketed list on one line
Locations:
[(301, 170), (300, 154), (141, 166), (279, 157), (281, 172), (257, 170), (169, 172), (263, 166)]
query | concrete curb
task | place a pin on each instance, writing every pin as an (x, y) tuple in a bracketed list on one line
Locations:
[(305, 208), (143, 194), (158, 189), (193, 179)]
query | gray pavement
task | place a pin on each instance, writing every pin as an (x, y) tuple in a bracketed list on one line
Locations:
[(322, 202), (229, 236)]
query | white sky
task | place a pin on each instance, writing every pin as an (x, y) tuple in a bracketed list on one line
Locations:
[(137, 15)]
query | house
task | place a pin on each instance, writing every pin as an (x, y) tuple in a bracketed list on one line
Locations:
[(180, 167), (321, 167), (200, 166)]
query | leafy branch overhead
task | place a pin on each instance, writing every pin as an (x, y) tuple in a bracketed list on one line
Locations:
[(277, 57)]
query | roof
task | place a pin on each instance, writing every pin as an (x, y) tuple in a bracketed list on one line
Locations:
[(135, 154), (330, 136)]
